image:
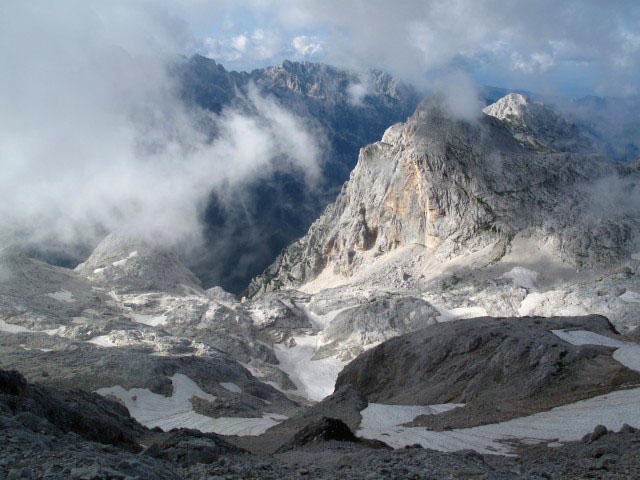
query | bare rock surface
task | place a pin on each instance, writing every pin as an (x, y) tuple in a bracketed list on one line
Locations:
[(459, 189), (538, 127), (127, 263), (500, 368)]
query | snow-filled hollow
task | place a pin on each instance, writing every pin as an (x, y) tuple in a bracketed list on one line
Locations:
[(155, 410), (62, 296), (561, 424)]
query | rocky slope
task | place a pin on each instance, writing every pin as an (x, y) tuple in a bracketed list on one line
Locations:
[(43, 434), (499, 368), (133, 323), (441, 202)]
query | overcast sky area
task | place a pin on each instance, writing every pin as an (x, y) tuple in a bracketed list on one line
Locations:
[(93, 136), (560, 47)]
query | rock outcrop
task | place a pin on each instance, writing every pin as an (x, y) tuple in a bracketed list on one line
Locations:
[(499, 368), (126, 263)]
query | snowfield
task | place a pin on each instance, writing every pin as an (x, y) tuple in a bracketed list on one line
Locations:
[(561, 424), (176, 411), (315, 379)]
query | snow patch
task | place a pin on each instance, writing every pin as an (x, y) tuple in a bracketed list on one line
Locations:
[(62, 296), (79, 320), (631, 297), (314, 379), (176, 411), (561, 424), (102, 341), (120, 263), (133, 254), (378, 416), (529, 304), (585, 337), (459, 313), (151, 320), (99, 270), (627, 353), (53, 331), (232, 387), (12, 328), (523, 277)]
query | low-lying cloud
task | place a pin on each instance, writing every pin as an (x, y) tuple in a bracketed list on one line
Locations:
[(94, 136)]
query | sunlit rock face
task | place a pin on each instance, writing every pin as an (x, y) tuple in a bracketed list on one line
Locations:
[(456, 189)]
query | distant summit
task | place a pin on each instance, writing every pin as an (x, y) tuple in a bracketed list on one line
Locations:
[(538, 127)]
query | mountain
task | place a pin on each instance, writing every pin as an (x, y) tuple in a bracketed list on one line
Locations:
[(450, 189), (412, 313), (538, 127), (349, 109)]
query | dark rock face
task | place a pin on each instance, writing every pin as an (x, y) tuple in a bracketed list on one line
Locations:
[(188, 447), (321, 430), (89, 415), (344, 405), (12, 383), (598, 432), (502, 367)]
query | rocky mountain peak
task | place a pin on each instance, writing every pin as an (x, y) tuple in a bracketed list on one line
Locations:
[(539, 127), (512, 104), (454, 188)]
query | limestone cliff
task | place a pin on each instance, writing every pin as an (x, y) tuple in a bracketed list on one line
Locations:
[(456, 187)]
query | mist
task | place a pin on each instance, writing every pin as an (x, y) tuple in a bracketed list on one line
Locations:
[(94, 136)]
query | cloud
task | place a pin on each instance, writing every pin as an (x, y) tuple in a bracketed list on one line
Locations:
[(460, 95), (518, 40), (94, 137), (356, 93), (252, 48), (306, 46)]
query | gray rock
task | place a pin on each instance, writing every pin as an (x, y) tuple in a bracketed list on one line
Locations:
[(355, 329), (500, 368), (455, 188)]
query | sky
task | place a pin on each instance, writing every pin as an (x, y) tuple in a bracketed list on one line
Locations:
[(569, 47), (93, 136)]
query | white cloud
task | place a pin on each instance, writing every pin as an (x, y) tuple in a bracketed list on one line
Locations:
[(239, 43), (248, 47), (356, 92), (94, 137), (306, 46), (411, 37)]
